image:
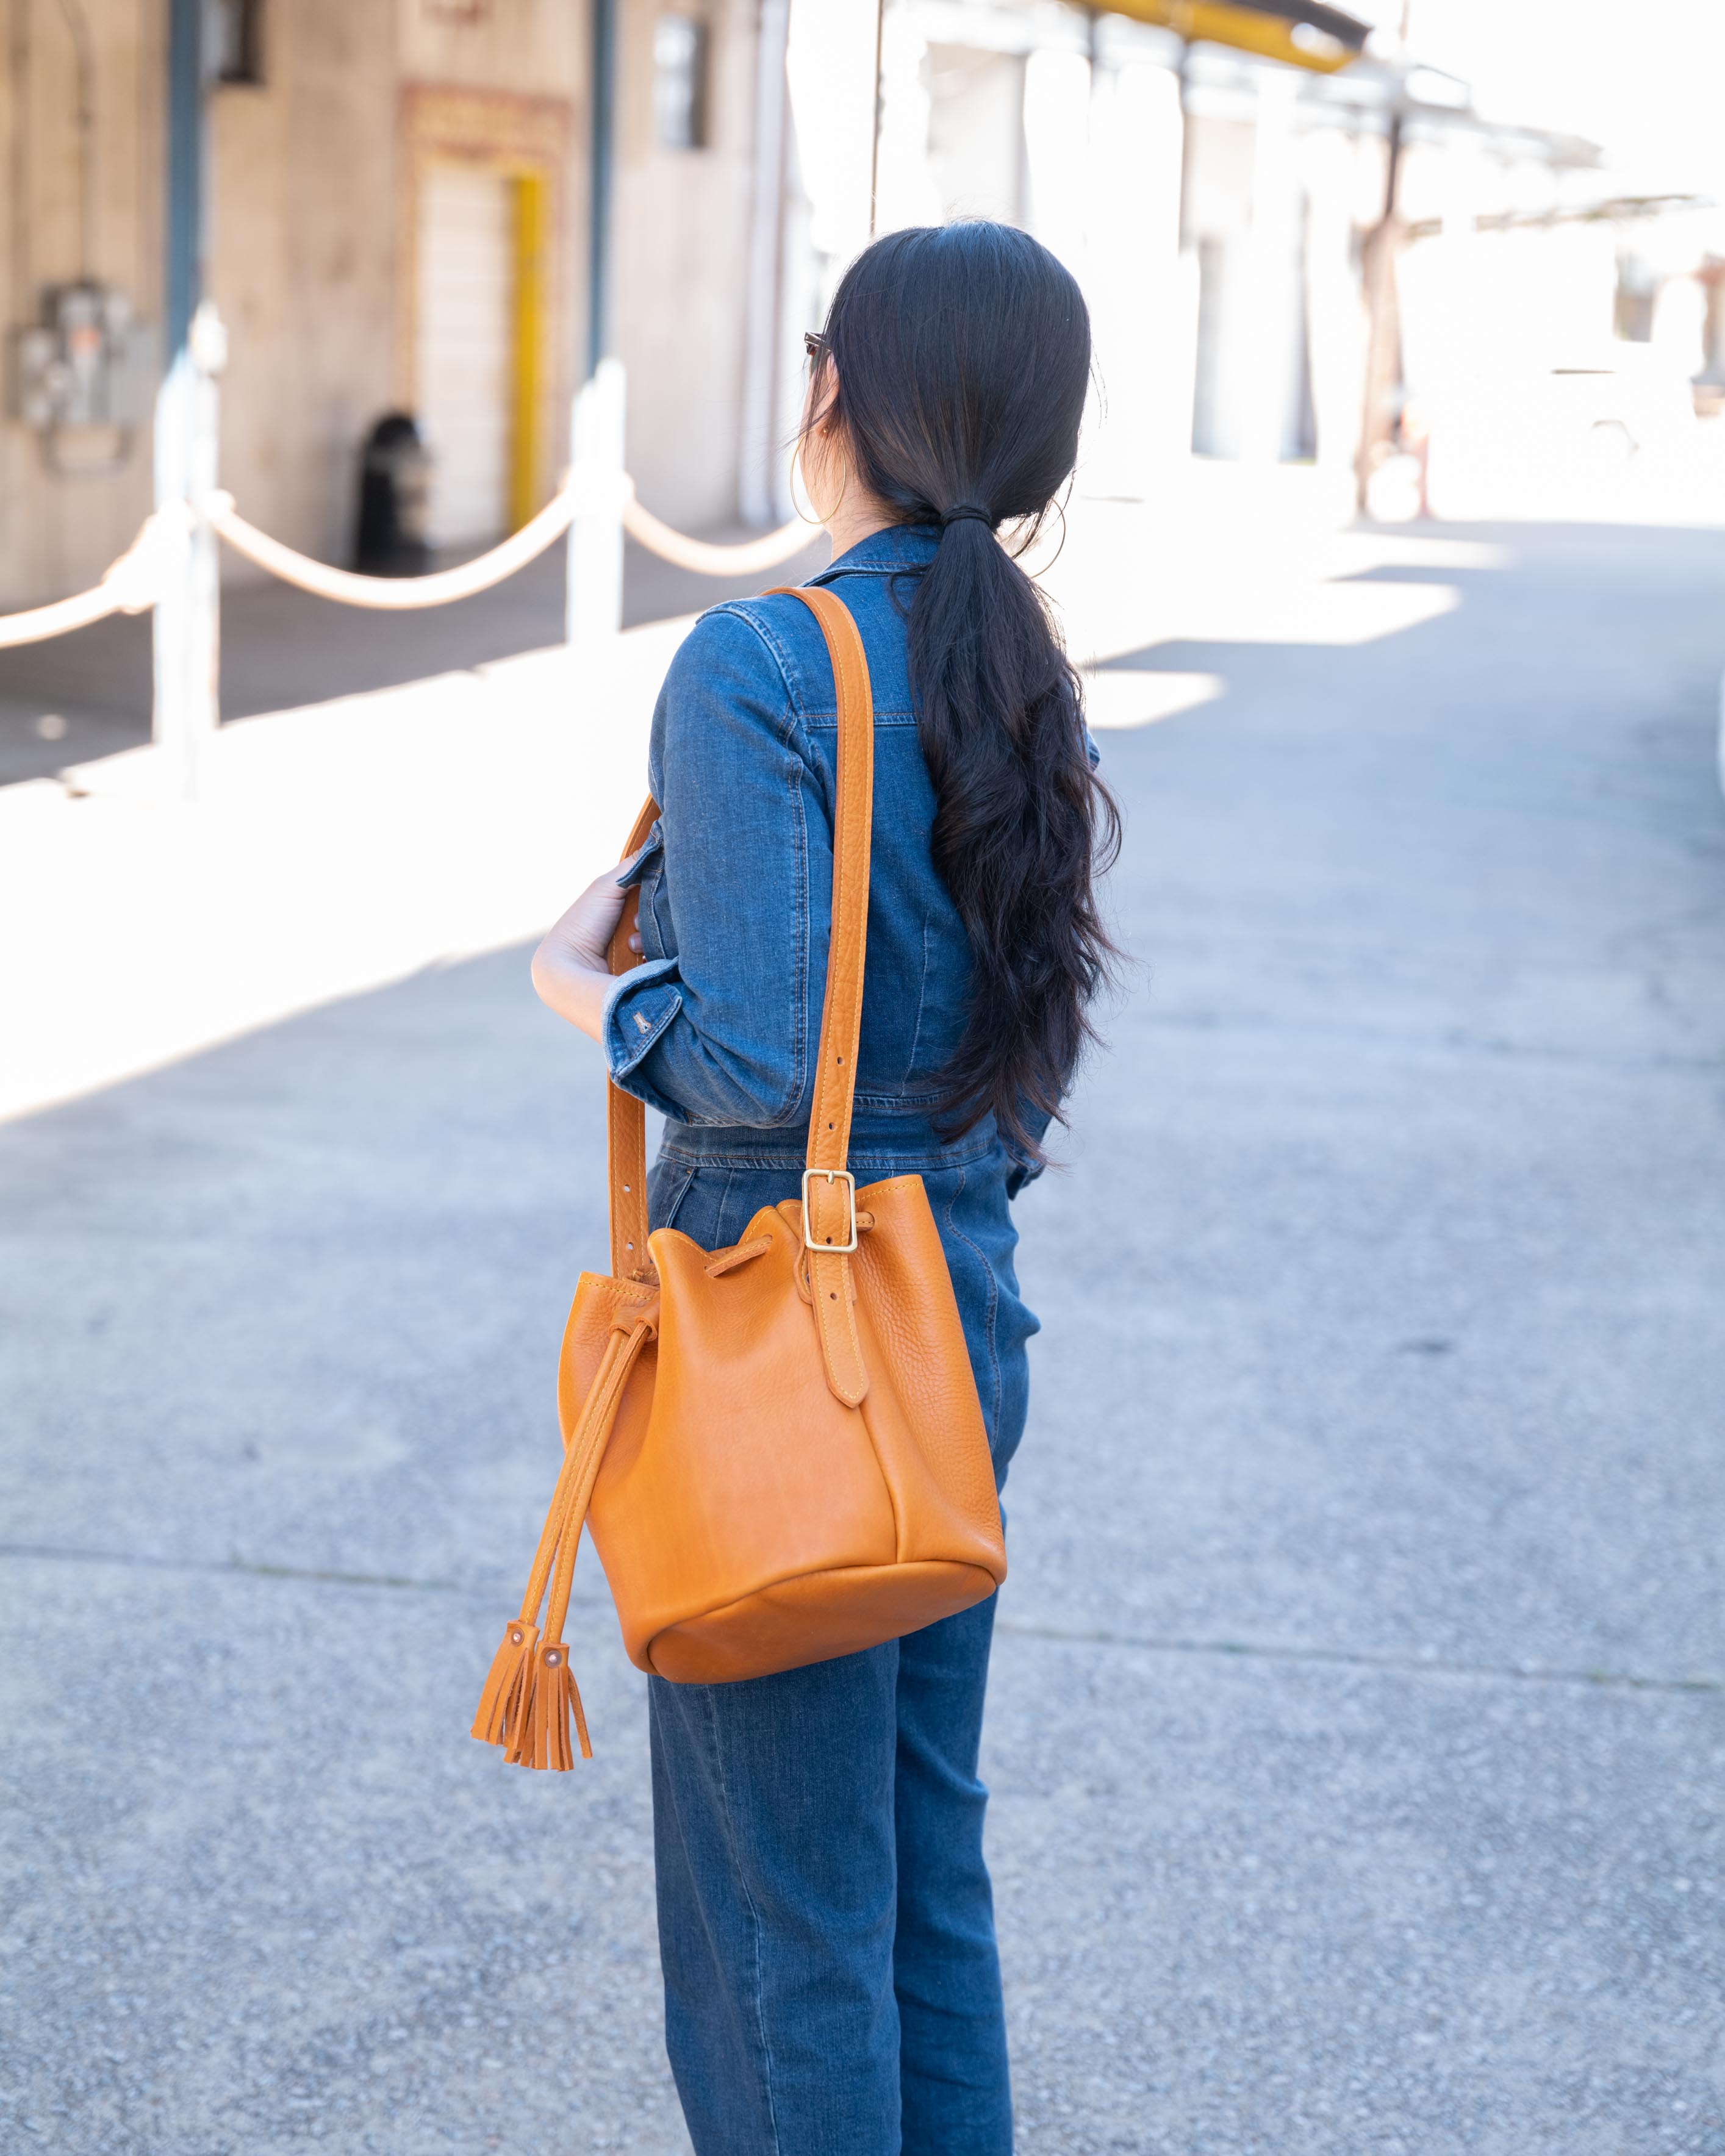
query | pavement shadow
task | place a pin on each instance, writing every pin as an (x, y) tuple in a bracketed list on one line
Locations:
[(1630, 608)]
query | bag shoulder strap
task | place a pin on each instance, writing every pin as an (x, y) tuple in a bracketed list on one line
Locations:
[(829, 1190), (853, 818)]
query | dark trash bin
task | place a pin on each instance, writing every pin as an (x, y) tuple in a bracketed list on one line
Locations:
[(394, 492)]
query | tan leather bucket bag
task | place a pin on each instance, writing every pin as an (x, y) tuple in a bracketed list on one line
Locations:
[(777, 1447)]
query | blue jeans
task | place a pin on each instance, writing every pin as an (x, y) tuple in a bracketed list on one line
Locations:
[(825, 1920)]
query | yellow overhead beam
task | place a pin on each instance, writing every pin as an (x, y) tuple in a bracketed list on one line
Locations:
[(1300, 43)]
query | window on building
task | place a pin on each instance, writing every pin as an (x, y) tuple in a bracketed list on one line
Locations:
[(237, 34), (1637, 287), (680, 82)]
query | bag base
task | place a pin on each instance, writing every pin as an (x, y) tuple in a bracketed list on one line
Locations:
[(814, 1618)]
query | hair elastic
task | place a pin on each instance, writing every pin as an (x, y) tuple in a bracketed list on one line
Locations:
[(967, 511)]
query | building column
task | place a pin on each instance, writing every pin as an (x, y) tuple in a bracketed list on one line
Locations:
[(1263, 366), (761, 490), (185, 640)]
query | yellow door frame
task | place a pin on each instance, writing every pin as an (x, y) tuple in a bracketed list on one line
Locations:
[(527, 449), (525, 139)]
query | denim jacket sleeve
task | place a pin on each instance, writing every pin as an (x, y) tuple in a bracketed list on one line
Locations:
[(717, 1028)]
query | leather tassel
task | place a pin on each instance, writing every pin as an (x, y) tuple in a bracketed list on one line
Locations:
[(502, 1708), (530, 1694), (542, 1737)]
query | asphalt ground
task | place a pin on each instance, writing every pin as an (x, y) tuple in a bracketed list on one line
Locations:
[(1358, 1724)]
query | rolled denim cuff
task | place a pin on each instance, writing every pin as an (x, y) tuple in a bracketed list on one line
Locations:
[(1021, 1172), (1023, 1169), (637, 1012)]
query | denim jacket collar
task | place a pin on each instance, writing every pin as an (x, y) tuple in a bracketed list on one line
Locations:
[(899, 547)]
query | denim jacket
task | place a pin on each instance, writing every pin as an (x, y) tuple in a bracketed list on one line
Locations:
[(720, 1027)]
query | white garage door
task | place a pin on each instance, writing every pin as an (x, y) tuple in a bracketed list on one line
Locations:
[(466, 233)]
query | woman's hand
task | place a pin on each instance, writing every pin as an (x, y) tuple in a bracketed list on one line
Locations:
[(572, 971)]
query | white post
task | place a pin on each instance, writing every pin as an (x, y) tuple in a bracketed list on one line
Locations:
[(188, 630), (1721, 735), (1336, 321), (594, 603), (1264, 360), (762, 481)]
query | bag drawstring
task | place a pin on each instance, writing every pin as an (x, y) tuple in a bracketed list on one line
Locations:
[(530, 1691)]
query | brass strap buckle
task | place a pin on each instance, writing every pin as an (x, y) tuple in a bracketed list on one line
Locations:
[(833, 1175)]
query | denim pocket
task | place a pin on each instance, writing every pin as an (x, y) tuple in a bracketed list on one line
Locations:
[(694, 1202), (669, 1182)]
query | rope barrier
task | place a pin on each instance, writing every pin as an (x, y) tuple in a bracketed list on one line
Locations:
[(753, 557), (393, 594), (750, 557), (129, 586), (133, 582)]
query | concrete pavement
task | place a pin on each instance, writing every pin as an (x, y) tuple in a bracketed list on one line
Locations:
[(1359, 1715)]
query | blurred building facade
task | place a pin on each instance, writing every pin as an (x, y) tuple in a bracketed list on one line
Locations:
[(399, 205), (400, 209)]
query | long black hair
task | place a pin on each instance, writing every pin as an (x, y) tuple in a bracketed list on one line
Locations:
[(955, 361)]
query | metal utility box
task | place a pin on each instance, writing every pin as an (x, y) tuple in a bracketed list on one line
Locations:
[(87, 363)]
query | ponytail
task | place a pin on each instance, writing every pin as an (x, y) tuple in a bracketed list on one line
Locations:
[(962, 357)]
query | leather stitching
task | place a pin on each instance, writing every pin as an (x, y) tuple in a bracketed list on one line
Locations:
[(626, 1154), (834, 1308), (799, 995), (841, 1015)]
